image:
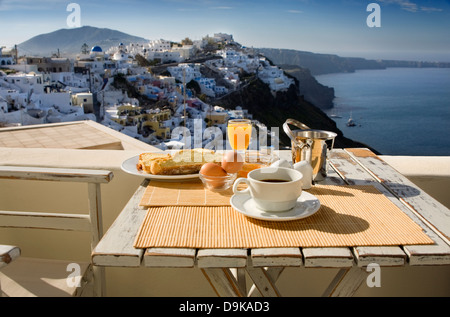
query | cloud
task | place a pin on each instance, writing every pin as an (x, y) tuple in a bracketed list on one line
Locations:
[(409, 6), (428, 9), (295, 11), (404, 4)]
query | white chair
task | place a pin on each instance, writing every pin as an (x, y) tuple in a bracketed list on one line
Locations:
[(8, 253), (46, 277)]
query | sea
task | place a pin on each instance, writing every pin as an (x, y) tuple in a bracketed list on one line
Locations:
[(397, 111)]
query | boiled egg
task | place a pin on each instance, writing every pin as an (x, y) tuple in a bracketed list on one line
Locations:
[(213, 175), (211, 169), (232, 162)]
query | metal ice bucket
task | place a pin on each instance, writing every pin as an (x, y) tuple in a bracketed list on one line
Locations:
[(310, 145)]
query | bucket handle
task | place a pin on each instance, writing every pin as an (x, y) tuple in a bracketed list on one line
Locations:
[(288, 131)]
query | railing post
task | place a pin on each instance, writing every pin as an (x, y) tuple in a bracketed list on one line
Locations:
[(95, 210)]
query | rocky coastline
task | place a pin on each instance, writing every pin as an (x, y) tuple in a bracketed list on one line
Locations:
[(311, 90), (320, 64), (273, 109)]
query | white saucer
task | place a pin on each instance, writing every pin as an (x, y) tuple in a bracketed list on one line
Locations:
[(307, 205)]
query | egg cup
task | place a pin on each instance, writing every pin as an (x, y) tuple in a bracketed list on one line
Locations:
[(218, 183)]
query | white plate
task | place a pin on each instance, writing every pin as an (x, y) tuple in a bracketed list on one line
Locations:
[(307, 205), (129, 166)]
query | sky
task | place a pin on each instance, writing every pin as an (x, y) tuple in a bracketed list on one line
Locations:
[(404, 29)]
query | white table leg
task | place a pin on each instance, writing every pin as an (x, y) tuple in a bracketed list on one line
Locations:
[(264, 281), (223, 282), (346, 282)]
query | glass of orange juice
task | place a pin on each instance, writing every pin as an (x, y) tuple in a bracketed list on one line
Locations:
[(239, 133)]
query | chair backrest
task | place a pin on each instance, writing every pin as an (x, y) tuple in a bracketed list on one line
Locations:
[(8, 253), (89, 222)]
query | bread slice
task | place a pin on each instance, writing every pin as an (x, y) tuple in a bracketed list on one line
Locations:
[(145, 160), (180, 163)]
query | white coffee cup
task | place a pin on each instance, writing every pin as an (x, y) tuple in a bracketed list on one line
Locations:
[(273, 189)]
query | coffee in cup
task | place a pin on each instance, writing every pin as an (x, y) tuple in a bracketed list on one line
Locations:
[(273, 189)]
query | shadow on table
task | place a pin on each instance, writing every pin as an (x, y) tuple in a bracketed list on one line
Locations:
[(399, 189), (325, 220)]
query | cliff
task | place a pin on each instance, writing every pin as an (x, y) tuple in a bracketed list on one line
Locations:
[(320, 64), (273, 110), (311, 90)]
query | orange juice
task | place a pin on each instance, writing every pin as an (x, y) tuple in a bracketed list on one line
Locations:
[(255, 160), (239, 133), (248, 167)]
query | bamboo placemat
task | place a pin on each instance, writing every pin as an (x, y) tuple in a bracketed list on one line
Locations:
[(189, 193), (348, 216)]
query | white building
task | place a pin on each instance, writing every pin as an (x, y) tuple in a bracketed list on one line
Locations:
[(84, 100), (30, 101), (3, 105), (223, 37), (156, 49), (93, 65), (74, 82), (207, 85), (97, 53), (25, 82), (185, 51), (159, 45), (274, 77), (5, 60), (165, 57), (186, 72), (232, 58), (162, 50), (220, 90), (120, 57)]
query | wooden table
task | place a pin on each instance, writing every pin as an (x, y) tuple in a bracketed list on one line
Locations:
[(225, 269)]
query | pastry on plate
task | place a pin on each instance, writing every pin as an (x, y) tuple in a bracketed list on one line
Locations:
[(183, 162)]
